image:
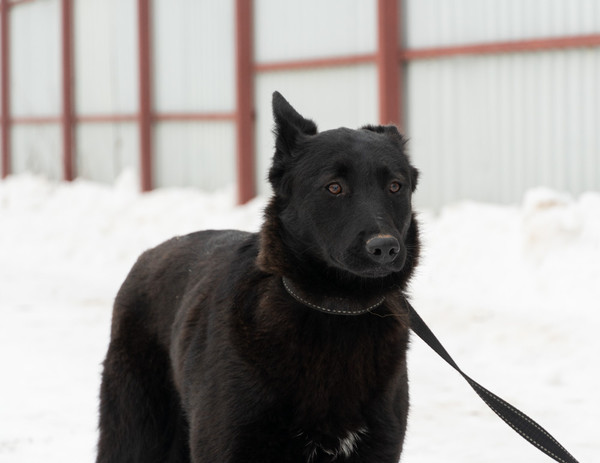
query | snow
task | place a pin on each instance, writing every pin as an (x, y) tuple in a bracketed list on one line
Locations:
[(512, 291)]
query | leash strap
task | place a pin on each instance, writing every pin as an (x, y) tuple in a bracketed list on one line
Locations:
[(521, 423)]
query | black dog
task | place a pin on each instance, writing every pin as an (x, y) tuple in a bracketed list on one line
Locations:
[(284, 346)]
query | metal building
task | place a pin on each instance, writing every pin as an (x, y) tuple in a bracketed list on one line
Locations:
[(496, 96)]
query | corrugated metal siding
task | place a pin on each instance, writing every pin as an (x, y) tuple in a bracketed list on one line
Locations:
[(35, 61), (105, 56), (195, 154), (35, 87), (194, 55), (37, 148), (313, 28), (194, 69), (432, 23), (490, 127), (105, 150)]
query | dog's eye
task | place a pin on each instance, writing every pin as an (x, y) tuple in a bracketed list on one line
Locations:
[(395, 187), (334, 188)]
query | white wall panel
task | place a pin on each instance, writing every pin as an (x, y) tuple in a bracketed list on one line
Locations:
[(105, 56), (35, 59), (194, 59), (431, 23), (491, 127), (200, 154), (333, 98), (37, 149), (286, 30), (104, 150)]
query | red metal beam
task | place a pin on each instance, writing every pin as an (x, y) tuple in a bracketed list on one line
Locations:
[(313, 63), (67, 89), (579, 41), (201, 117), (245, 101), (514, 46), (401, 68), (5, 87), (17, 2), (115, 118), (106, 118), (35, 120), (145, 94), (387, 62)]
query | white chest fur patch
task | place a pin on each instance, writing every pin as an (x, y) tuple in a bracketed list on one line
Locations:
[(348, 443), (345, 447)]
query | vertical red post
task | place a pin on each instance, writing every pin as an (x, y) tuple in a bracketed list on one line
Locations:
[(244, 118), (5, 86), (401, 67), (67, 89), (387, 62), (145, 95)]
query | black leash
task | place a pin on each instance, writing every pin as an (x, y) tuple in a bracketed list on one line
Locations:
[(521, 423)]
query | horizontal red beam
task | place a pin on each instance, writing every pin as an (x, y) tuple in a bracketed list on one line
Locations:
[(17, 2), (107, 118), (90, 118), (316, 63), (36, 120), (513, 46), (162, 117)]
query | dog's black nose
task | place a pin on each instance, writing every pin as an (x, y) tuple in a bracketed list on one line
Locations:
[(383, 249)]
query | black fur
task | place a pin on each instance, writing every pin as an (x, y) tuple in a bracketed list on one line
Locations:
[(211, 360)]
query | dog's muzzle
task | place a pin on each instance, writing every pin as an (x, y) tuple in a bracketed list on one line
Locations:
[(383, 249)]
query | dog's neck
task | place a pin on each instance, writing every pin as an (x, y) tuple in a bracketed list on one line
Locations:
[(313, 284), (329, 304)]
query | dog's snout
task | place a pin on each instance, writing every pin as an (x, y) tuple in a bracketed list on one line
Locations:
[(383, 248)]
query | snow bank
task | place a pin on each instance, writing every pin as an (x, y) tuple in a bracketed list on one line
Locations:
[(513, 292)]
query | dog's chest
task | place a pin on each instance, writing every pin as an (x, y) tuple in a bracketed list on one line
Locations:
[(333, 448)]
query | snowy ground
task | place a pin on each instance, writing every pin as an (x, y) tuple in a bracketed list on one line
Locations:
[(513, 292)]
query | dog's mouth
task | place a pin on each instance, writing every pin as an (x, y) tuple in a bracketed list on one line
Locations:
[(364, 267)]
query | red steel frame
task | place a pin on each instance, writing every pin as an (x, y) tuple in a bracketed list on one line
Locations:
[(244, 117), (145, 94), (389, 58), (388, 68), (515, 46), (67, 89), (5, 87), (315, 63)]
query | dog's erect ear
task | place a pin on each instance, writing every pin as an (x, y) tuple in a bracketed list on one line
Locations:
[(414, 178), (289, 128), (392, 132), (289, 125), (389, 130)]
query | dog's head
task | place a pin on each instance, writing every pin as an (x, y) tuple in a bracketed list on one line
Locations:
[(342, 199)]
